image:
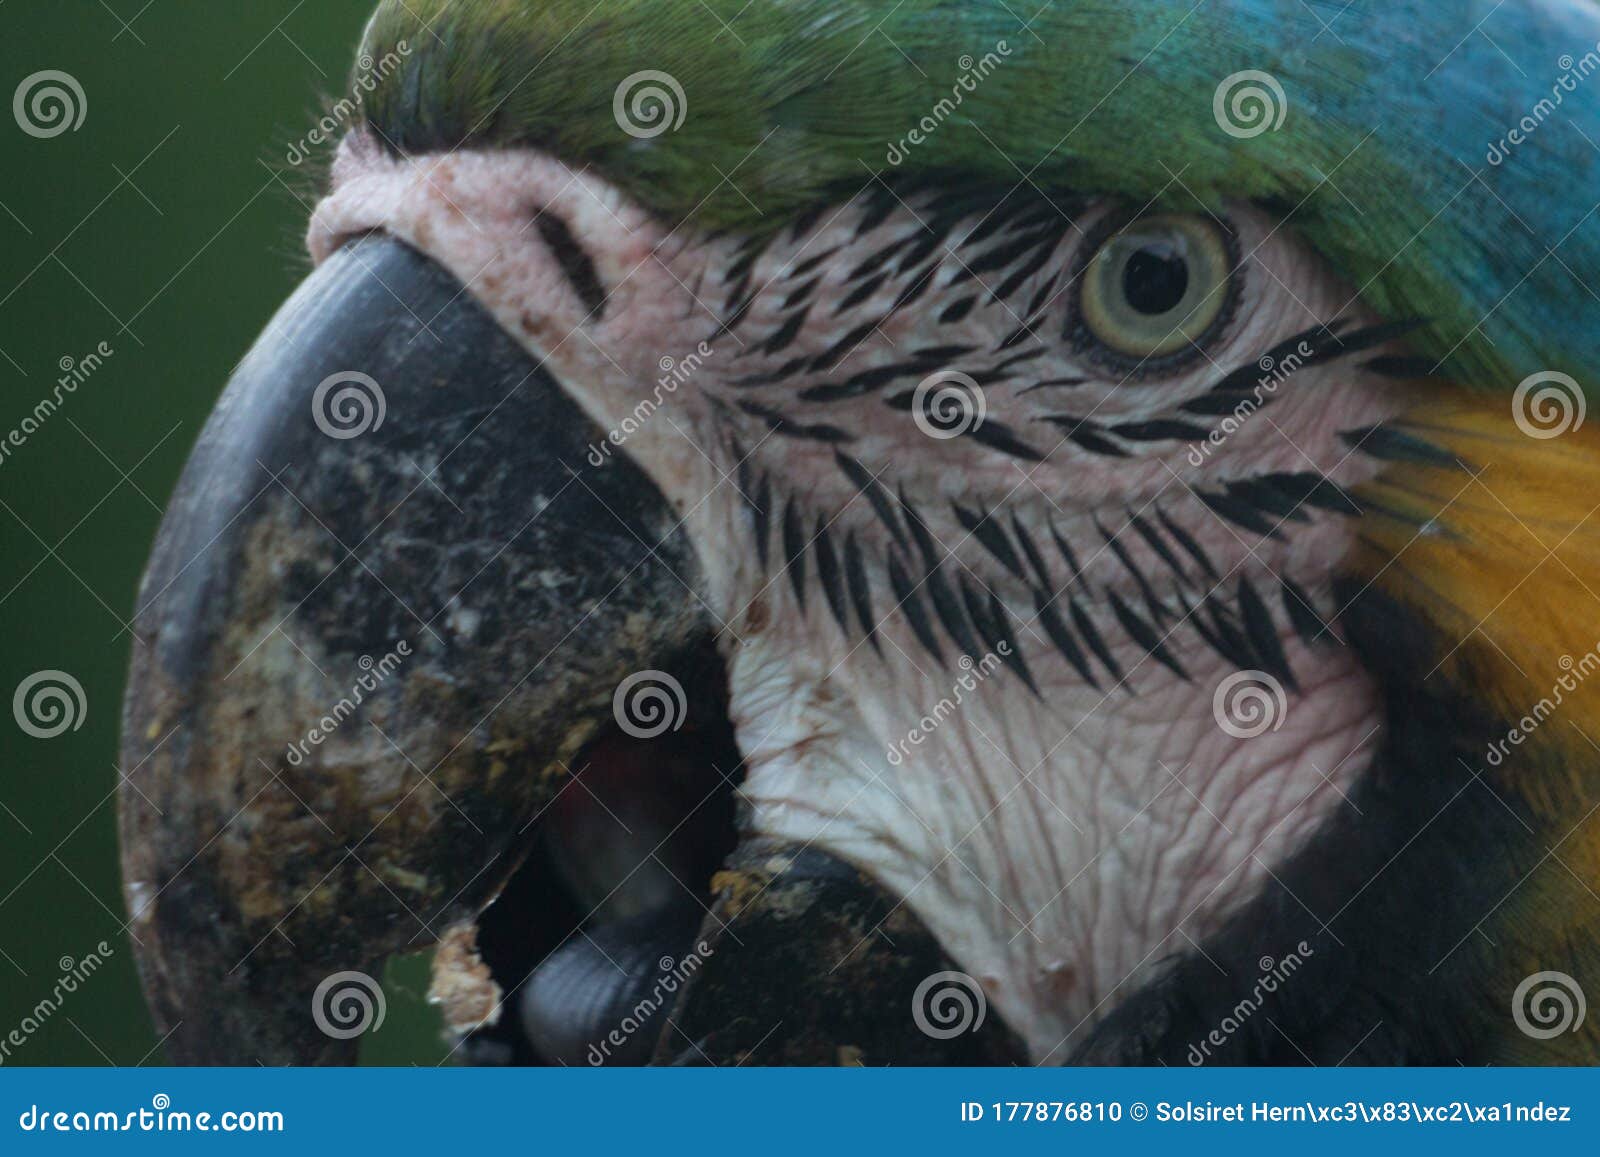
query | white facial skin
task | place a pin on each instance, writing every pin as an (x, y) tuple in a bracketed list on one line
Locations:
[(1059, 844)]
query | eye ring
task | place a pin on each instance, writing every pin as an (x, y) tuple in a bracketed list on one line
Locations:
[(1152, 291)]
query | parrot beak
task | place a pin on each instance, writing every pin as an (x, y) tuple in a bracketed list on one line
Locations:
[(390, 605)]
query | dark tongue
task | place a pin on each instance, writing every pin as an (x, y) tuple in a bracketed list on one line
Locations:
[(603, 997), (635, 840)]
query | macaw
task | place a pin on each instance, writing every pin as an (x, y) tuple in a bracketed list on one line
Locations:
[(811, 531)]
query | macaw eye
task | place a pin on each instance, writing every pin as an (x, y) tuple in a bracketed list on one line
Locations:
[(1157, 286)]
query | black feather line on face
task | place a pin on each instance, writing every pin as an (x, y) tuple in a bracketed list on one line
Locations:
[(993, 537), (1189, 544), (794, 550), (909, 601), (877, 497), (1085, 433), (940, 595), (1062, 638), (1143, 634), (1031, 551), (778, 424), (1389, 444), (1121, 554), (855, 573), (1262, 633), (1308, 624), (757, 493), (829, 573)]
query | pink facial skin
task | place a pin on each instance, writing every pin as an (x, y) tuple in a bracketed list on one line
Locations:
[(1059, 844)]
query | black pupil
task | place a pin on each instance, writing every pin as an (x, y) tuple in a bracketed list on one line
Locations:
[(1155, 278)]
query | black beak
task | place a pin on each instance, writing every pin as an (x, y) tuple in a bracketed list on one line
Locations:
[(390, 602)]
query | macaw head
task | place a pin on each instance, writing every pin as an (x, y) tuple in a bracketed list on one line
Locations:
[(764, 511)]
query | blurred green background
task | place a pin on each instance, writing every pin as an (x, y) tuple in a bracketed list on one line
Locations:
[(166, 226)]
